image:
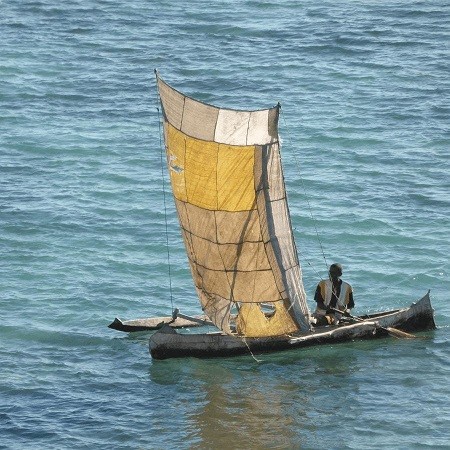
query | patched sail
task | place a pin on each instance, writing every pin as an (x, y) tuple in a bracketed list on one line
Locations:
[(228, 184)]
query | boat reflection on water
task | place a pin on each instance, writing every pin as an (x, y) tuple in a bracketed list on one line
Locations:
[(281, 402)]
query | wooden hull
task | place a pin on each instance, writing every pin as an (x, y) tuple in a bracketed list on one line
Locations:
[(167, 343)]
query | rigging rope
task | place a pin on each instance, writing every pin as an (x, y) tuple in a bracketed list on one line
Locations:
[(307, 200), (309, 264), (162, 150), (251, 353)]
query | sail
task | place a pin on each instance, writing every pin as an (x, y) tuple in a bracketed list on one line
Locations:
[(229, 191)]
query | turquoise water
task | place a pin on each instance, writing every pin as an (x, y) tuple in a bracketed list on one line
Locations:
[(364, 88)]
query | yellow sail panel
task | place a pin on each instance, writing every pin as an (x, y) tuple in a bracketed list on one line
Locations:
[(200, 173), (253, 322), (210, 175), (235, 179)]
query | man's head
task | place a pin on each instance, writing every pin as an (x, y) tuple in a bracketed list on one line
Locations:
[(335, 271)]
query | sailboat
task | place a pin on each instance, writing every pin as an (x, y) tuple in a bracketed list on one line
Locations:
[(228, 186)]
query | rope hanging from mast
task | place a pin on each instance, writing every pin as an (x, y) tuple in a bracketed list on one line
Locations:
[(162, 152)]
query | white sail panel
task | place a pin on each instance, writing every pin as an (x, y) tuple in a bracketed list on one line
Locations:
[(244, 127), (258, 128), (232, 127)]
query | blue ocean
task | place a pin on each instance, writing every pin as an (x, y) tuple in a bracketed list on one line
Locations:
[(85, 204)]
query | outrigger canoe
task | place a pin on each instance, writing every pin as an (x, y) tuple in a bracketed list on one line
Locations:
[(229, 191), (168, 343)]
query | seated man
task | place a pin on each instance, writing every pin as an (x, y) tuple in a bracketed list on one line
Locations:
[(332, 293)]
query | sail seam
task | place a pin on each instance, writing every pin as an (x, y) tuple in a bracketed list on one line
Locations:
[(214, 210)]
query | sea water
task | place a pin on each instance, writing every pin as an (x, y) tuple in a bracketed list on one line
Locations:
[(88, 229)]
